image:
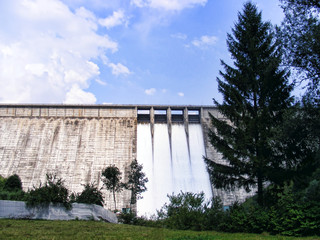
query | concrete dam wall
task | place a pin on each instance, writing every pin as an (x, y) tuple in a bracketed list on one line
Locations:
[(77, 142)]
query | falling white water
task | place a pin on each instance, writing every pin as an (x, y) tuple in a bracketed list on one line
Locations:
[(171, 170)]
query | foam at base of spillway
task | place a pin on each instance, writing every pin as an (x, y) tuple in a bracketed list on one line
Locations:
[(172, 162)]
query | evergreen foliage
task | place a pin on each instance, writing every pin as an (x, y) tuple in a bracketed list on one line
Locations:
[(136, 181), (111, 177), (256, 94), (90, 195)]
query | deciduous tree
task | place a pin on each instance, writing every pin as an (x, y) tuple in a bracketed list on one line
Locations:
[(300, 35), (111, 177), (136, 181)]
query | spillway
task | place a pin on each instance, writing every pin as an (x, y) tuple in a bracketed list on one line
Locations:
[(173, 162)]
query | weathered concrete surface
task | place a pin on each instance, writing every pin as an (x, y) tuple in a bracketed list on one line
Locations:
[(18, 210), (75, 148)]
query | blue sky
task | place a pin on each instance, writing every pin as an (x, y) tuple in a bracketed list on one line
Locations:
[(116, 51)]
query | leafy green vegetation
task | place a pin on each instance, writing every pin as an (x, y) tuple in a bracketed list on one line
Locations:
[(90, 195), (13, 183), (111, 178), (53, 191), (11, 189), (136, 181), (34, 229)]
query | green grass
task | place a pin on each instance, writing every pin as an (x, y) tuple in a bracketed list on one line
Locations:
[(38, 229)]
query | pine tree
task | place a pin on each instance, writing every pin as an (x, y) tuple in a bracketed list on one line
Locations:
[(256, 92)]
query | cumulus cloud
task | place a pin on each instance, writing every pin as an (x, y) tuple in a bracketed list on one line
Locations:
[(180, 94), (48, 53), (117, 18), (205, 41), (78, 96), (150, 91), (169, 5), (119, 69)]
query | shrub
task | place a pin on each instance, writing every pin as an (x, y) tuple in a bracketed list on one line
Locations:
[(13, 183), (90, 195), (214, 214), (11, 189), (13, 196), (132, 218), (185, 211), (53, 191), (127, 218)]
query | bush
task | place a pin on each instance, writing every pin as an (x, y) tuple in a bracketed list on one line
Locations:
[(133, 219), (214, 214), (11, 189), (127, 218), (53, 191), (13, 196), (185, 211), (13, 183), (292, 216), (90, 195)]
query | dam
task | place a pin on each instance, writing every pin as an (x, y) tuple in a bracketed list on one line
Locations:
[(76, 142)]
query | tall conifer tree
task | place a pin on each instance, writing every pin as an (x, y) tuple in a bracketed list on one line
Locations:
[(255, 93)]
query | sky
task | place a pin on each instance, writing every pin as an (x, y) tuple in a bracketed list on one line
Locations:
[(164, 52)]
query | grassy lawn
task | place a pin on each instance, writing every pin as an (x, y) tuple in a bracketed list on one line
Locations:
[(38, 229)]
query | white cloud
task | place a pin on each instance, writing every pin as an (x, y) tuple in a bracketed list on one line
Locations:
[(118, 69), (150, 91), (179, 36), (180, 94), (169, 5), (46, 50), (78, 96), (116, 19), (101, 82), (205, 41), (138, 3)]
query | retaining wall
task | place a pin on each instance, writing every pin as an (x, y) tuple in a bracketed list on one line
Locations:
[(18, 210)]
